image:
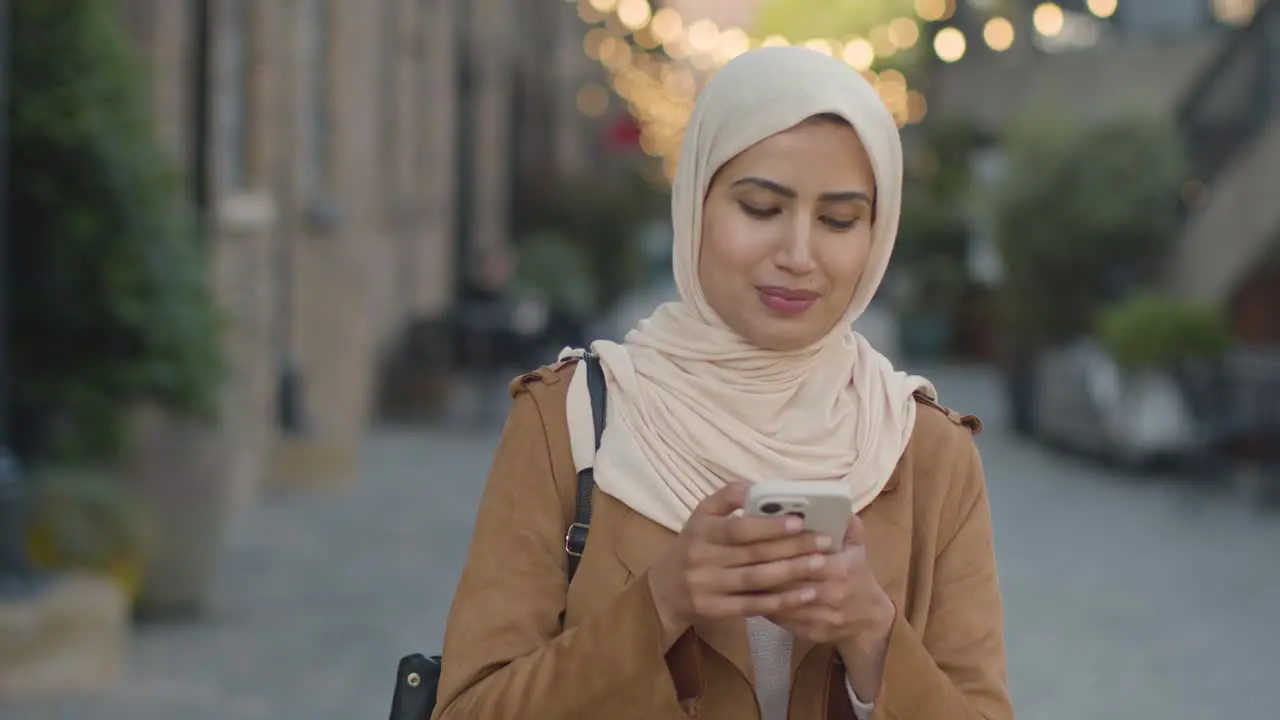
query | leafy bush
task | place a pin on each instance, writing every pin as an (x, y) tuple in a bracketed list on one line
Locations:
[(552, 269), (1079, 208), (937, 194), (86, 518), (931, 227), (945, 165), (111, 302), (601, 224), (1152, 330), (935, 288)]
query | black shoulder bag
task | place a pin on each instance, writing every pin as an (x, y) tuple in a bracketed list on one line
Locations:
[(418, 675)]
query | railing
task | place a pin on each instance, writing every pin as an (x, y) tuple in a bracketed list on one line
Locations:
[(1236, 96)]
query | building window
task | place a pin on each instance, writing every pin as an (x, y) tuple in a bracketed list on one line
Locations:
[(235, 113), (317, 23)]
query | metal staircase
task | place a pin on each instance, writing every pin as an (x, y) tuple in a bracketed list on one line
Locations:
[(1231, 124), (1236, 96)]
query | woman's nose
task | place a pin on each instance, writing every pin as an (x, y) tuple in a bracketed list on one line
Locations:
[(795, 252)]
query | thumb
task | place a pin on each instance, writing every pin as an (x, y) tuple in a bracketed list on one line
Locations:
[(853, 532), (724, 501)]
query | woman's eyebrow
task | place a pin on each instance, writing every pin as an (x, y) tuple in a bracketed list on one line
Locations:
[(783, 190), (845, 196), (769, 185)]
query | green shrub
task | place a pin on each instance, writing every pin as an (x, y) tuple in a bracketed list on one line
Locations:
[(111, 302), (930, 227), (87, 518), (935, 288), (552, 269), (1153, 330), (602, 224), (937, 194)]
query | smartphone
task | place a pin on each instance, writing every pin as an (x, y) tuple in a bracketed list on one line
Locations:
[(824, 505)]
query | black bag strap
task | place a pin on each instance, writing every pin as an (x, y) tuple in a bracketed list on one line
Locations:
[(418, 677), (575, 539)]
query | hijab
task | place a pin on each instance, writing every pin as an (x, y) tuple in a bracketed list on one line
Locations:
[(692, 405)]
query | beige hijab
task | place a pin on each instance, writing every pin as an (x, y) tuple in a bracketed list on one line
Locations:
[(692, 405)]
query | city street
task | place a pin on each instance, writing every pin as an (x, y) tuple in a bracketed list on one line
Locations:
[(1126, 598)]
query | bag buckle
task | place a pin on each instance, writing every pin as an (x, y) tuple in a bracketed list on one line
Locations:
[(575, 539)]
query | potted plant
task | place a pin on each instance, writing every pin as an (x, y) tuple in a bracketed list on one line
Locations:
[(1168, 354), (85, 518), (1079, 209), (116, 317)]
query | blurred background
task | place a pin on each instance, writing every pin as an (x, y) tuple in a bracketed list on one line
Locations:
[(268, 266)]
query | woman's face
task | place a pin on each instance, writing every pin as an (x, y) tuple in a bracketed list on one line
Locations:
[(786, 231)]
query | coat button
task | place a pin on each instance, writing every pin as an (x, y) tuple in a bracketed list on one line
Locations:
[(414, 680)]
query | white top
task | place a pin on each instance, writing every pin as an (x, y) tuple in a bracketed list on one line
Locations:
[(771, 661)]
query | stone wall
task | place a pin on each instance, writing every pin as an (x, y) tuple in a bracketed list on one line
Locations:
[(327, 256), (321, 255)]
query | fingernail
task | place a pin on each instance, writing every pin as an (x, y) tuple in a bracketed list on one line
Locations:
[(808, 594), (794, 525), (824, 542), (816, 561)]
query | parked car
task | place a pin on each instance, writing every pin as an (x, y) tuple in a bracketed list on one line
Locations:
[(1206, 417), (1086, 403)]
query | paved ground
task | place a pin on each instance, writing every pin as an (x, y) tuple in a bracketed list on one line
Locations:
[(1127, 598)]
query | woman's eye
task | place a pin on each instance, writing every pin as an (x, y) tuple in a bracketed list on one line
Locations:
[(837, 224), (758, 212)]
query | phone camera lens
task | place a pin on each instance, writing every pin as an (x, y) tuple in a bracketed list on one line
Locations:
[(771, 508)]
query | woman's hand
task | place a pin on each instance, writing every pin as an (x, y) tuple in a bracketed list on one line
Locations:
[(850, 610), (724, 566)]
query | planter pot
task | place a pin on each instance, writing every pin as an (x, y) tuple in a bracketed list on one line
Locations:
[(70, 637), (182, 471), (925, 337), (1149, 419), (311, 462)]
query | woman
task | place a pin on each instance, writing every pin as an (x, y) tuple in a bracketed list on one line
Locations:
[(785, 207)]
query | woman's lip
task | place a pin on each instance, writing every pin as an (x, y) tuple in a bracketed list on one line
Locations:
[(785, 301), (788, 293)]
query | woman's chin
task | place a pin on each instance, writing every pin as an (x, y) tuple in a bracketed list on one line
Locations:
[(782, 334)]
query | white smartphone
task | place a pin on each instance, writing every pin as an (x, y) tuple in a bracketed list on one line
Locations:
[(824, 505)]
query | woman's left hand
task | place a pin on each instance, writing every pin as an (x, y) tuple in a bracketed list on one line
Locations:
[(850, 611)]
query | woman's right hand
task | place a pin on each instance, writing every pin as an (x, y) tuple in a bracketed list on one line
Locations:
[(723, 566)]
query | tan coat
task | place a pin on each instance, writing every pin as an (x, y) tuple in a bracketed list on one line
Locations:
[(507, 657)]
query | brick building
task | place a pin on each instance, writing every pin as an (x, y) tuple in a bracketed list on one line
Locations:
[(349, 158)]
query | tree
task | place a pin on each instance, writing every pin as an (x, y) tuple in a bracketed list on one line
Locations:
[(112, 307), (1080, 208)]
